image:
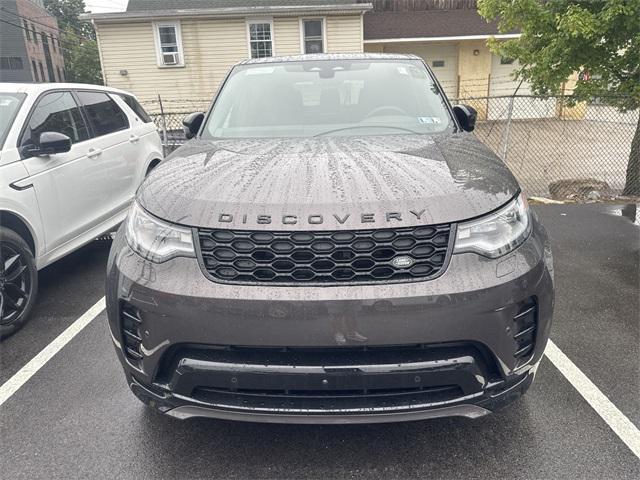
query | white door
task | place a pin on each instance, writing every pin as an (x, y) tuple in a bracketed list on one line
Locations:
[(442, 59), (117, 161), (503, 85), (66, 186)]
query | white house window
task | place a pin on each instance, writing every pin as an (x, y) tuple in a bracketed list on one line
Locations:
[(169, 44), (313, 35), (260, 39)]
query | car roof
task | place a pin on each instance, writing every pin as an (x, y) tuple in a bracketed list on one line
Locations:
[(37, 88), (330, 56)]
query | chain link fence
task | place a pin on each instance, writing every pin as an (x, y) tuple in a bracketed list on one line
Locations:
[(554, 149)]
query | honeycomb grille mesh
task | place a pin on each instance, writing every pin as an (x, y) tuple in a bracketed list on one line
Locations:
[(359, 256)]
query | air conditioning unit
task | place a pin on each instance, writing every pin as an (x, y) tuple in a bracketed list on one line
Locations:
[(170, 58)]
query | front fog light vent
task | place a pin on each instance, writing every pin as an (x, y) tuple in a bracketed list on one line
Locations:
[(524, 329), (130, 320)]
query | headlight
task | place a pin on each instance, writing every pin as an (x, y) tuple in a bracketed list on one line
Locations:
[(498, 233), (156, 240)]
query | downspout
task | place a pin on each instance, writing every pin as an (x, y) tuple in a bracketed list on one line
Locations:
[(362, 32), (104, 75)]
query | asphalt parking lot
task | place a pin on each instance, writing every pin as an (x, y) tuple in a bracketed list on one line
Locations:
[(76, 418)]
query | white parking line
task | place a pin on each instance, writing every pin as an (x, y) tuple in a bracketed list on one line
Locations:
[(617, 421), (21, 377)]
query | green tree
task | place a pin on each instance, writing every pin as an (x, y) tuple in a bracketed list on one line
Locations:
[(78, 40), (560, 37), (81, 60), (68, 12)]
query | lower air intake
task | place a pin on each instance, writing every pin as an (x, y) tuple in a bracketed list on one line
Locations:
[(130, 321), (524, 330)]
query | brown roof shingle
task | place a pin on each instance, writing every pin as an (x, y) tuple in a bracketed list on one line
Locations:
[(151, 5), (428, 23)]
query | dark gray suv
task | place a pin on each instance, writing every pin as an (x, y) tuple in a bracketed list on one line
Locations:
[(332, 246)]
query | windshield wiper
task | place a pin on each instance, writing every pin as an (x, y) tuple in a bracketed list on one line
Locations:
[(353, 127)]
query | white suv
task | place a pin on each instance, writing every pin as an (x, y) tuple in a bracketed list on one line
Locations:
[(71, 159)]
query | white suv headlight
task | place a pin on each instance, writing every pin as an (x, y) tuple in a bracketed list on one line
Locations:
[(498, 233), (156, 240)]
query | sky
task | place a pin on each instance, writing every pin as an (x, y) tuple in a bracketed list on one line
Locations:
[(101, 6)]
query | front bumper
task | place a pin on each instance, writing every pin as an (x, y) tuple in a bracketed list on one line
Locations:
[(367, 353)]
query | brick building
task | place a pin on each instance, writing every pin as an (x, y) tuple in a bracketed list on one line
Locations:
[(30, 47)]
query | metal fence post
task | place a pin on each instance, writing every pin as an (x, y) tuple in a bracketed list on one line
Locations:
[(164, 123), (505, 146), (505, 140)]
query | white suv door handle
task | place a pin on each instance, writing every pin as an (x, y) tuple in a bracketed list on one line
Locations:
[(134, 138), (94, 152)]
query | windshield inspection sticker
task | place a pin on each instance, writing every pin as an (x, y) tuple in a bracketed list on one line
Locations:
[(429, 119)]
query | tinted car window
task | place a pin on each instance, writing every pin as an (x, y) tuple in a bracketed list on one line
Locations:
[(104, 114), (136, 107), (55, 112)]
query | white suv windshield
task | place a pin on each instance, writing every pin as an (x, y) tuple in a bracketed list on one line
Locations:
[(328, 97), (9, 105)]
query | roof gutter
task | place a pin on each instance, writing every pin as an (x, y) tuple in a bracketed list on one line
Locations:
[(227, 12), (444, 39)]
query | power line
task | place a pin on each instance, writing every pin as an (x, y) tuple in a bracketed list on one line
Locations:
[(30, 31), (76, 32), (58, 37)]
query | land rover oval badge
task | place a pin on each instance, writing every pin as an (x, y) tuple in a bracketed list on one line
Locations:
[(402, 261)]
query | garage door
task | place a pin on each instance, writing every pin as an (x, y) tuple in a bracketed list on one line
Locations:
[(443, 60), (502, 84)]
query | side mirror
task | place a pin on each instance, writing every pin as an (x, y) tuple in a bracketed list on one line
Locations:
[(192, 124), (466, 117), (49, 143)]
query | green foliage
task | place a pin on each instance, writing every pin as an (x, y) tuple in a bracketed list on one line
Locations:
[(82, 60), (78, 40), (560, 37), (67, 13)]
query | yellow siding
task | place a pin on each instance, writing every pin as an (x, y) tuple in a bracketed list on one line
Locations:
[(210, 46), (344, 34), (474, 72), (286, 35)]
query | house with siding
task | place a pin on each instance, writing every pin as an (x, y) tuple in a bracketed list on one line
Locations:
[(451, 37), (182, 49)]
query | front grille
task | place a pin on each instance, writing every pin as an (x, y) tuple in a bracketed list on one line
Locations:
[(327, 257)]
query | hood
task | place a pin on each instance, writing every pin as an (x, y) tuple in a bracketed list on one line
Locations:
[(328, 183)]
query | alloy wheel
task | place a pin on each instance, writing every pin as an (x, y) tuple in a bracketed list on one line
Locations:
[(15, 284)]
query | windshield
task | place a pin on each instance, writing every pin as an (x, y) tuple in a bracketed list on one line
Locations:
[(9, 105), (328, 97)]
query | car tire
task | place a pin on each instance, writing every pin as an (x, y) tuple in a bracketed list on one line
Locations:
[(18, 282)]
